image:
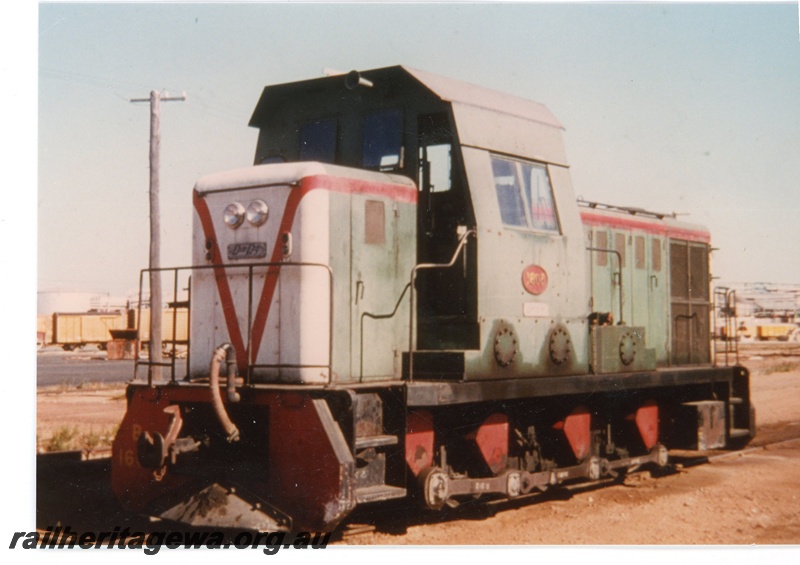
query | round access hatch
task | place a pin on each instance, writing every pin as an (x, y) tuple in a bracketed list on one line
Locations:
[(627, 348), (505, 345), (559, 345)]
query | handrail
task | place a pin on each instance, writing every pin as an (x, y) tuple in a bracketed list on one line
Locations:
[(375, 317), (619, 273), (731, 321), (149, 363), (250, 364), (730, 296), (462, 242)]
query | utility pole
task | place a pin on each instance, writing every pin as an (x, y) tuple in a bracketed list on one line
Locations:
[(156, 306)]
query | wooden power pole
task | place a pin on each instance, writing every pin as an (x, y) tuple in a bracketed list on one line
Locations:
[(156, 305)]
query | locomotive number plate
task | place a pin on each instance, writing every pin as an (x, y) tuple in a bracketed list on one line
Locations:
[(254, 250)]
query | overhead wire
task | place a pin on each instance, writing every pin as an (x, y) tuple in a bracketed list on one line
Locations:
[(223, 111)]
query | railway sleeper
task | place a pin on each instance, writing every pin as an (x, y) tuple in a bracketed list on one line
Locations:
[(441, 487)]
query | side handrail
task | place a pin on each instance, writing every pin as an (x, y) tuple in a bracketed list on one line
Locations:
[(730, 306), (376, 317), (150, 363), (462, 242), (618, 273), (728, 298), (714, 307)]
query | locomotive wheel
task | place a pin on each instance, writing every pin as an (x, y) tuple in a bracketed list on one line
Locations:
[(435, 488)]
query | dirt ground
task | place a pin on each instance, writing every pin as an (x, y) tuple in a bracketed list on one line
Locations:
[(749, 497)]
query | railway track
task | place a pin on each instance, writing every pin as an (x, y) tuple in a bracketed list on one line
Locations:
[(73, 488), (680, 462)]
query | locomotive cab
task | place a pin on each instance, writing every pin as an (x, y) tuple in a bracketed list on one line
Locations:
[(397, 121), (495, 209)]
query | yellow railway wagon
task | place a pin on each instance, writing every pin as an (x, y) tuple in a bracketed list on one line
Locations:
[(181, 318), (775, 331), (72, 330)]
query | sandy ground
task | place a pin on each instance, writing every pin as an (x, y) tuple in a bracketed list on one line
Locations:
[(70, 418), (752, 497)]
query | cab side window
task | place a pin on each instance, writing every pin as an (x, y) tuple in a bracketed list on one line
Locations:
[(540, 197), (524, 195), (509, 196)]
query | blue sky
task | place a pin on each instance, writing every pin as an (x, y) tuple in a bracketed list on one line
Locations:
[(672, 107)]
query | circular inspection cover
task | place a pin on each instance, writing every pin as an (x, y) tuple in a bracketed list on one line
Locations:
[(627, 348), (559, 345), (505, 345)]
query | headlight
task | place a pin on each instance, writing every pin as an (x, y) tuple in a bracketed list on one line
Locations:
[(257, 212), (234, 215)]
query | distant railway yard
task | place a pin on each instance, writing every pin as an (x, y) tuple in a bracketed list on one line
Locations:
[(748, 497)]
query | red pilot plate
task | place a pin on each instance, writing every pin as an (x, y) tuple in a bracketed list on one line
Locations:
[(534, 279)]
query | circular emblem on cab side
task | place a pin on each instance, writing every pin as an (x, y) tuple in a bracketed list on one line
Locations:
[(534, 279)]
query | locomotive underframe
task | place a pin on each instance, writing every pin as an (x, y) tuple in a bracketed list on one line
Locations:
[(309, 454)]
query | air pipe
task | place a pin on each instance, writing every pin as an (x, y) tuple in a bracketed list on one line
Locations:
[(220, 354)]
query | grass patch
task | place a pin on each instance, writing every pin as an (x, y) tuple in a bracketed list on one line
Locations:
[(70, 438), (93, 386), (62, 439), (66, 387)]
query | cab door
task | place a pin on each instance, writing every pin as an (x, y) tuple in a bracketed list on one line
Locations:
[(446, 297)]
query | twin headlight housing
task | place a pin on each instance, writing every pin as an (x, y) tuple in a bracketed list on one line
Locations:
[(256, 214)]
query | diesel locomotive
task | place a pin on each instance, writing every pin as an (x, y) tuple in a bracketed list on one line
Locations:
[(403, 298)]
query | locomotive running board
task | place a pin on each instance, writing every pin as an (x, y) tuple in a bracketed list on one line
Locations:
[(428, 393)]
